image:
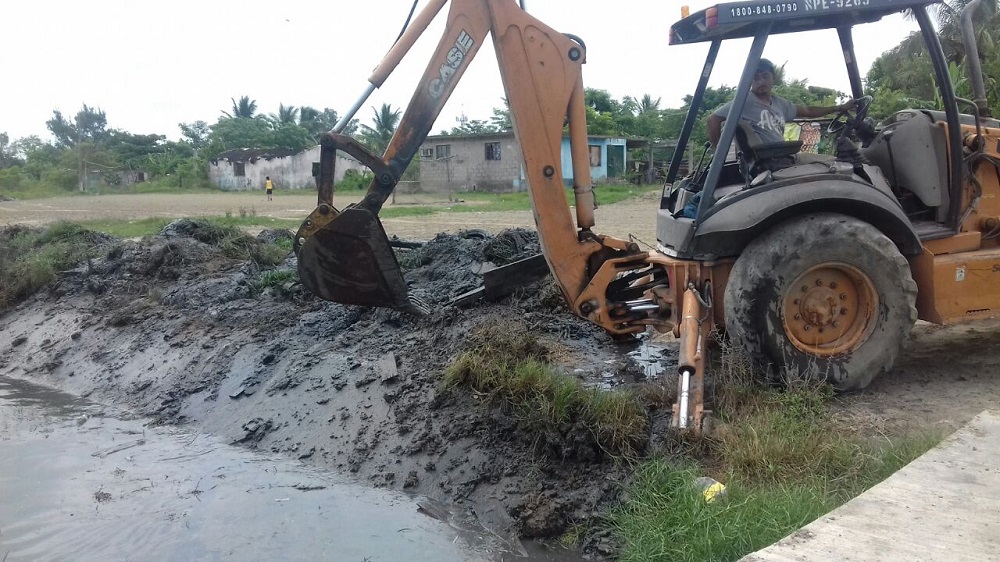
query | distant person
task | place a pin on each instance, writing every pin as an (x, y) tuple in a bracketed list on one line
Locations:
[(765, 112), (268, 186)]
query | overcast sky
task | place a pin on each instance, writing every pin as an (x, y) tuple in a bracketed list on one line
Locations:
[(152, 65)]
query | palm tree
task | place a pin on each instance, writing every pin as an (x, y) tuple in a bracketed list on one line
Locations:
[(243, 109), (287, 115), (640, 106), (377, 137), (949, 19), (649, 125), (501, 119), (307, 115), (312, 120), (907, 67)]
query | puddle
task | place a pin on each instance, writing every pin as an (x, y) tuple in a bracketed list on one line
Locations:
[(650, 358), (78, 482), (654, 357)]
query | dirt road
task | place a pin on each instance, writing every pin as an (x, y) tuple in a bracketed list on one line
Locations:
[(630, 217)]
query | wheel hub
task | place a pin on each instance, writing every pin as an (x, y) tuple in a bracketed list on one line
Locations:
[(819, 307), (829, 309)]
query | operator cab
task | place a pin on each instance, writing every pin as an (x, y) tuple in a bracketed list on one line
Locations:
[(715, 210)]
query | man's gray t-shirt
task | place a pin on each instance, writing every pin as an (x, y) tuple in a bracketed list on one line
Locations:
[(768, 121)]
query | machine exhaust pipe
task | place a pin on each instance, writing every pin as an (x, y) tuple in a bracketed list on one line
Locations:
[(972, 57)]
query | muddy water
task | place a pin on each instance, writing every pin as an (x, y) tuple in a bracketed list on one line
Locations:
[(654, 356), (80, 482)]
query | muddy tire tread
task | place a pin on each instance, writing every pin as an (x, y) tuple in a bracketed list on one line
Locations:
[(752, 297)]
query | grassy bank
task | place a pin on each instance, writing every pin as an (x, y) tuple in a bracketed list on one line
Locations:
[(507, 366), (31, 258), (667, 518), (783, 455), (767, 498)]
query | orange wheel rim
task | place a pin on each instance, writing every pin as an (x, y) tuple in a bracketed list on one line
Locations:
[(829, 309)]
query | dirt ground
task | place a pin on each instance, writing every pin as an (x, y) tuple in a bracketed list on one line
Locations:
[(636, 217), (171, 329)]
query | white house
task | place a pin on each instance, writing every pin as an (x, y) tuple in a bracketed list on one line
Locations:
[(245, 168)]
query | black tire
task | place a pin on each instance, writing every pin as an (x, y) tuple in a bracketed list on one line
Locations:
[(822, 296)]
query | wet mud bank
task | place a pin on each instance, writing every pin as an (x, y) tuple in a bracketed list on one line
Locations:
[(173, 329)]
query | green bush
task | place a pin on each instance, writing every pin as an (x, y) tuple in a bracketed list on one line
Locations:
[(355, 180), (11, 178), (64, 179)]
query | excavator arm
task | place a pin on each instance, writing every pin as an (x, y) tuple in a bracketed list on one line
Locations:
[(344, 256)]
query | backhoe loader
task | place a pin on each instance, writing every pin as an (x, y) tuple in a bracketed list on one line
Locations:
[(817, 269)]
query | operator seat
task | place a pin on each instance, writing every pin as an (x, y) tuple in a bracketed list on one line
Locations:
[(756, 156)]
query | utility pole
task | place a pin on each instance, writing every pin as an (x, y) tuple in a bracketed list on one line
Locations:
[(81, 169)]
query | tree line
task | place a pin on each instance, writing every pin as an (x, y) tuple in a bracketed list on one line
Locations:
[(900, 78)]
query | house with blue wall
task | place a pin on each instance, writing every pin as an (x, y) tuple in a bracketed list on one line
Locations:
[(607, 158)]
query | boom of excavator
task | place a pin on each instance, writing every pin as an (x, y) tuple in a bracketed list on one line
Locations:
[(344, 255)]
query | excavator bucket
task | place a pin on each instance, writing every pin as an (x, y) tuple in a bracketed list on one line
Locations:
[(344, 256), (349, 261)]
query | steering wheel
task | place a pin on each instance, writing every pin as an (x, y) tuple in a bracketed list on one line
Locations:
[(843, 119)]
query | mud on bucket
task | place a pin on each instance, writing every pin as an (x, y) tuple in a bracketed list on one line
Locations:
[(349, 261)]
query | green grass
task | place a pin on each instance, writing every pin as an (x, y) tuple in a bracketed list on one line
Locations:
[(30, 189), (478, 202), (521, 201), (273, 279), (507, 366), (247, 217), (31, 258), (156, 186), (391, 211), (38, 190), (666, 517), (784, 460)]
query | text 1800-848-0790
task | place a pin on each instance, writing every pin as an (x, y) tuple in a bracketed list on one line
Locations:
[(745, 10)]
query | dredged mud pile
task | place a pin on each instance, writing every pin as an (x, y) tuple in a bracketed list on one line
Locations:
[(174, 329)]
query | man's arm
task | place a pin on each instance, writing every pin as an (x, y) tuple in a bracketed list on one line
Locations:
[(714, 126), (812, 111)]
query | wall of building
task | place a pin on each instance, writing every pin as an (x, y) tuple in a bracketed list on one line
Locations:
[(467, 169), (290, 172), (95, 179), (598, 173)]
